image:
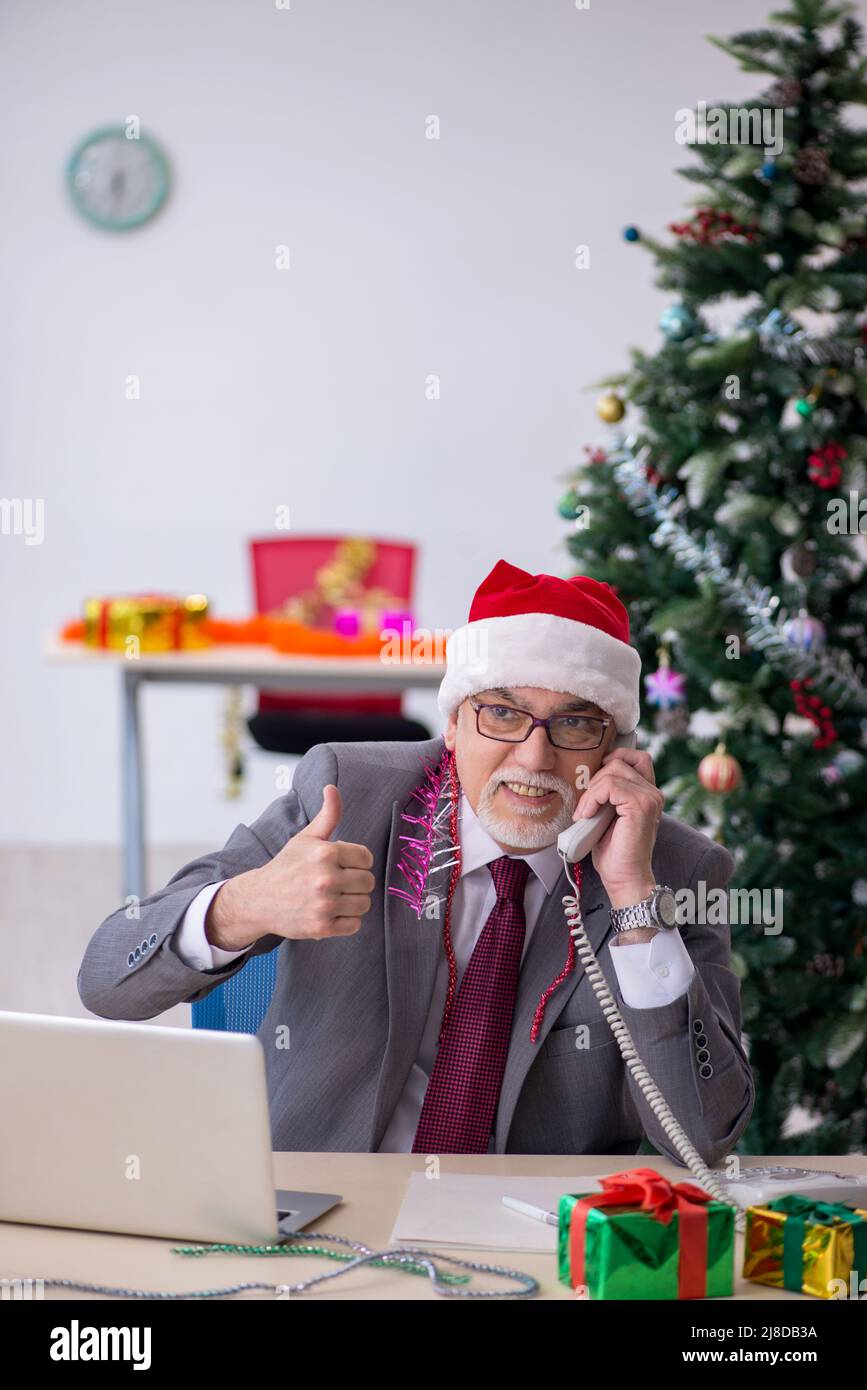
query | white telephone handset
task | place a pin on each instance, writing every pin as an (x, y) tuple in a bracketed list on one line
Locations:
[(581, 836), (573, 844)]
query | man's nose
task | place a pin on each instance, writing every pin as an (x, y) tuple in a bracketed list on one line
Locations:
[(536, 753)]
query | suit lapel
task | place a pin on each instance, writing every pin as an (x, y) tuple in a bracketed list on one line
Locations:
[(545, 958), (412, 952)]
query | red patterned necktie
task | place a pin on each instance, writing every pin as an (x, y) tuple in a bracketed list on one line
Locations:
[(464, 1087)]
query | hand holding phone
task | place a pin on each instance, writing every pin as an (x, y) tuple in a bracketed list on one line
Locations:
[(580, 837)]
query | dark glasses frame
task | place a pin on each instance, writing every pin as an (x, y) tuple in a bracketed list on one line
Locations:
[(545, 724)]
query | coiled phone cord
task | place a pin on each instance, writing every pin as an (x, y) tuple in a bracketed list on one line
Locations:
[(649, 1089)]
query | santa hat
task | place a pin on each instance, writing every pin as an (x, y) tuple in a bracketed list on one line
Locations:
[(558, 634)]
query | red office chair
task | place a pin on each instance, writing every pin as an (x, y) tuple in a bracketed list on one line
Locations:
[(285, 567)]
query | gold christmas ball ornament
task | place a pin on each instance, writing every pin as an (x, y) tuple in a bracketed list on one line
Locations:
[(610, 408), (719, 772)]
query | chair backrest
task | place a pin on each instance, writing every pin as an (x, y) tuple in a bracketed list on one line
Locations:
[(283, 566), (241, 1002)]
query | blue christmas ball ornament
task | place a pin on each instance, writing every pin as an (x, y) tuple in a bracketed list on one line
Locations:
[(805, 632), (631, 234), (678, 323), (769, 170)]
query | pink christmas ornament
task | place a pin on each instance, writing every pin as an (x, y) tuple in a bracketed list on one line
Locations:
[(347, 622), (665, 688)]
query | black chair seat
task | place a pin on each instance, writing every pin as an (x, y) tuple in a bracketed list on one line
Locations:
[(279, 731)]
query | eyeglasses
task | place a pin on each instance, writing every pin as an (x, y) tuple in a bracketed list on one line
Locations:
[(508, 725)]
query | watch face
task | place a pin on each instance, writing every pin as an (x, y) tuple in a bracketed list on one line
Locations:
[(666, 907), (117, 182)]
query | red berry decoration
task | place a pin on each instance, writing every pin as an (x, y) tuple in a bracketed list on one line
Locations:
[(812, 708), (712, 225), (823, 467)]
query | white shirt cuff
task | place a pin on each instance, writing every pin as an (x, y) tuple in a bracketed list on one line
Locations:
[(654, 972), (191, 943)]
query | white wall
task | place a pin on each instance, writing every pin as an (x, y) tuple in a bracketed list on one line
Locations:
[(259, 387)]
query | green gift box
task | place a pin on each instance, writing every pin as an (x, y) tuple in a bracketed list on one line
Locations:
[(644, 1237)]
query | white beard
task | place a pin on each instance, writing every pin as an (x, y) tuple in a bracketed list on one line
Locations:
[(531, 831)]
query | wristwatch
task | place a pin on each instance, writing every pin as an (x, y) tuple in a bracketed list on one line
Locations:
[(657, 910)]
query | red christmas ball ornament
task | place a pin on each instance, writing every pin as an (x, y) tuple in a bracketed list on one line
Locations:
[(719, 772)]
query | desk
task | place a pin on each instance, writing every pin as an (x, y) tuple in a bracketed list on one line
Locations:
[(263, 667), (373, 1187)]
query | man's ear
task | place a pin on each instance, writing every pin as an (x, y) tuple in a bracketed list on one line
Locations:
[(451, 730)]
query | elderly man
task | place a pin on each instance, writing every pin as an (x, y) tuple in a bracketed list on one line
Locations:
[(429, 997)]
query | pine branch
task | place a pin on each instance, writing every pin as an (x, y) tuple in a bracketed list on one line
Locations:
[(833, 672), (811, 14), (745, 60)]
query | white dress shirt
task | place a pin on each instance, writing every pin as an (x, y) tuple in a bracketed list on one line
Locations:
[(649, 973)]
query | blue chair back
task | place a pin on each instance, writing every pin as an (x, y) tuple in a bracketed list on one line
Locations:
[(240, 1004)]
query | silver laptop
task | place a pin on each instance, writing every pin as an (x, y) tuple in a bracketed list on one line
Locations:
[(134, 1127)]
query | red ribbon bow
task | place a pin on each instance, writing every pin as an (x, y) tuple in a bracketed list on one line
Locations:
[(649, 1190)]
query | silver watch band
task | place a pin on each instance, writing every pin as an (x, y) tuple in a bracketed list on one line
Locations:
[(641, 914)]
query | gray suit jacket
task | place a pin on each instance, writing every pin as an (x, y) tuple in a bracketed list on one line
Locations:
[(356, 1006)]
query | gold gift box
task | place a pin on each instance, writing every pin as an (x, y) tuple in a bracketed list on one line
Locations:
[(159, 623), (828, 1252)]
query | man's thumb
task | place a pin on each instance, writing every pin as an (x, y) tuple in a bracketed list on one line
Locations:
[(327, 818)]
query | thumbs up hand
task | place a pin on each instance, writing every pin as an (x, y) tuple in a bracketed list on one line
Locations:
[(313, 887), (326, 820)]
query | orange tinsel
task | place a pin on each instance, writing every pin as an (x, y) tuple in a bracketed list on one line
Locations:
[(294, 637), (286, 636), (262, 630), (254, 630)]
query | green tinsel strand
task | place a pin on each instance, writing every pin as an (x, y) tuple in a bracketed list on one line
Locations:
[(309, 1250)]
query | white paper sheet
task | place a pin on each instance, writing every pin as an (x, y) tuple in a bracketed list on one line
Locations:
[(466, 1212)]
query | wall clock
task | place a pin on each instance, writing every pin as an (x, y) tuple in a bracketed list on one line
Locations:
[(116, 182)]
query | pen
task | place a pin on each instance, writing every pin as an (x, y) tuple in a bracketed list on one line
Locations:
[(547, 1216)]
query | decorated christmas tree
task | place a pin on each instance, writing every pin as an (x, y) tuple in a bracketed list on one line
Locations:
[(727, 504)]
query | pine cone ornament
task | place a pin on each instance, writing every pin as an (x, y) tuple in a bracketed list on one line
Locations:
[(786, 92), (811, 166), (799, 561), (674, 721)]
